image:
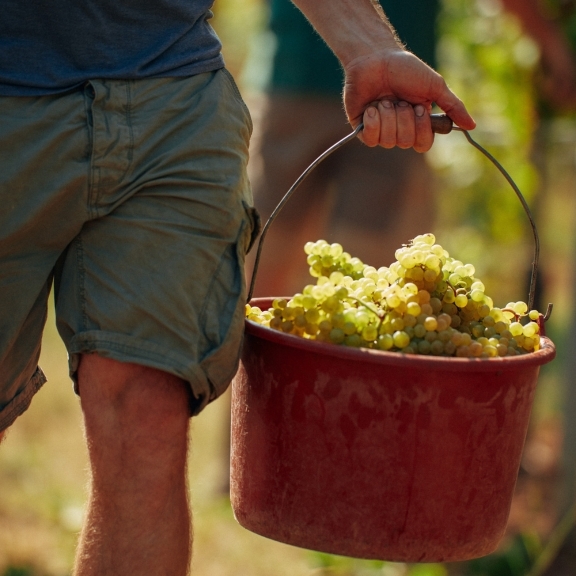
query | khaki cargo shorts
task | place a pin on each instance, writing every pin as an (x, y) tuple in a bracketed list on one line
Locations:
[(131, 199)]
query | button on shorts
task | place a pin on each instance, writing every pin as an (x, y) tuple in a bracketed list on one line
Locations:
[(131, 199)]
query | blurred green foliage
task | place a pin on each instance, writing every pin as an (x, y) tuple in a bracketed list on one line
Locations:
[(21, 571), (331, 565), (490, 64), (516, 560)]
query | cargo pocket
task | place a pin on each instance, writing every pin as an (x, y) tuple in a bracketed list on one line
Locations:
[(254, 226), (223, 318)]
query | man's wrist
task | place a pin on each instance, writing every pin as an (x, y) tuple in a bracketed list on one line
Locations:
[(352, 28)]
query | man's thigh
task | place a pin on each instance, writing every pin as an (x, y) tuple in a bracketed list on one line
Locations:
[(43, 154), (134, 196)]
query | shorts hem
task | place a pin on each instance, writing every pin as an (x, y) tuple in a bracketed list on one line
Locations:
[(17, 406), (129, 349)]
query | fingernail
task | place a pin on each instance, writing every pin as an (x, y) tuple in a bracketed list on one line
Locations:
[(371, 111), (419, 110), (387, 104), (403, 104)]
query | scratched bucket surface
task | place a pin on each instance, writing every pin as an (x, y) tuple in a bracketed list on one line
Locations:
[(375, 454)]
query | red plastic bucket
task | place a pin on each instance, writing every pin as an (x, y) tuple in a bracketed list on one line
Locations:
[(376, 454)]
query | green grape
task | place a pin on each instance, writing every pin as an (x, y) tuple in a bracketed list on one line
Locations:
[(449, 296), (337, 335), (530, 329), (477, 295), (490, 351), (425, 302), (424, 347), (437, 347), (353, 340), (419, 331), (520, 308), (370, 333), (436, 305), (349, 328), (401, 339), (461, 300), (385, 342)]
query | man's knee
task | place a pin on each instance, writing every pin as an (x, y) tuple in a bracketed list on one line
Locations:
[(132, 403)]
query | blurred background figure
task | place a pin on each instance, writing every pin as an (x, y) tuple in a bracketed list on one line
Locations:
[(367, 199)]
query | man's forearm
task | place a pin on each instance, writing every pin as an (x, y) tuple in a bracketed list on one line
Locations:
[(352, 28)]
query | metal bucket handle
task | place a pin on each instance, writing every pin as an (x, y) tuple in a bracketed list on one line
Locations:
[(441, 124)]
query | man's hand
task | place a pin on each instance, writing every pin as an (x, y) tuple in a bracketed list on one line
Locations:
[(386, 87), (392, 92)]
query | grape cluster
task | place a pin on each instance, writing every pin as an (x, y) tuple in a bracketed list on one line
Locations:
[(425, 302)]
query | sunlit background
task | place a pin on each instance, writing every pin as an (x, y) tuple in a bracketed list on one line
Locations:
[(490, 64)]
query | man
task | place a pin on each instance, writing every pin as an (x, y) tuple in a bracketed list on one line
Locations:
[(123, 145)]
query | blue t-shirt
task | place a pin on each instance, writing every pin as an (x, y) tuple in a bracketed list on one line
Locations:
[(50, 46)]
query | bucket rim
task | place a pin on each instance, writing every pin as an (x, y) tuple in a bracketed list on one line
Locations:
[(546, 353)]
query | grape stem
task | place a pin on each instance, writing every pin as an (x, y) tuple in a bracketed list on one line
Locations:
[(368, 306)]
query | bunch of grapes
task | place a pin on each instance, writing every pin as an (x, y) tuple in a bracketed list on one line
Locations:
[(424, 303)]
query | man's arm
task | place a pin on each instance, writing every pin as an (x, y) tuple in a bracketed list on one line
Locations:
[(386, 87)]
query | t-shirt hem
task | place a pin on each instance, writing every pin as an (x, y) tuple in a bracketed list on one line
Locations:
[(181, 72)]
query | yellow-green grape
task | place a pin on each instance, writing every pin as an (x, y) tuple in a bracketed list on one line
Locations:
[(461, 300), (449, 296), (370, 333), (477, 295), (401, 339), (393, 300), (530, 329), (385, 342), (425, 302), (337, 335), (516, 329), (520, 308)]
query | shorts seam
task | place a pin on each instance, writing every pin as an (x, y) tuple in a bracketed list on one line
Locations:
[(21, 402), (203, 310), (81, 280), (238, 95), (129, 123), (91, 169)]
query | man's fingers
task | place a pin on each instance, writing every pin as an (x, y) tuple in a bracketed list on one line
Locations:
[(388, 124), (424, 135), (405, 125), (455, 108), (371, 133)]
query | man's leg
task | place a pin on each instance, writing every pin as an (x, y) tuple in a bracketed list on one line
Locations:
[(137, 422)]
